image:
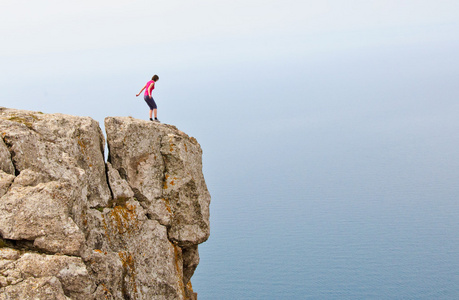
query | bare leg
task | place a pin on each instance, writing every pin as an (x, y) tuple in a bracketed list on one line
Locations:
[(151, 112), (155, 112)]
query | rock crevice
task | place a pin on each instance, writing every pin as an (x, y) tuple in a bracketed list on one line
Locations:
[(73, 226)]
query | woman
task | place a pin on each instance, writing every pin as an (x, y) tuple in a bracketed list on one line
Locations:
[(149, 87)]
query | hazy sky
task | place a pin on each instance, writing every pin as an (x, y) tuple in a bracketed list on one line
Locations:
[(56, 26), (248, 60)]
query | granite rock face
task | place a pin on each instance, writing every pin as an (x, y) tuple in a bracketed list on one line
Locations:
[(75, 227), (173, 192)]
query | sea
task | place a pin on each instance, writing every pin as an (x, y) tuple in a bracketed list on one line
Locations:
[(353, 204)]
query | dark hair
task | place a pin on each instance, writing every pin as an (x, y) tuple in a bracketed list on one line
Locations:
[(155, 78)]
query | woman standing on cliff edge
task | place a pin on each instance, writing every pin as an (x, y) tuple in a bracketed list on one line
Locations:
[(149, 87)]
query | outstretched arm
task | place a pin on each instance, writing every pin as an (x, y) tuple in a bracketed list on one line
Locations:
[(141, 91)]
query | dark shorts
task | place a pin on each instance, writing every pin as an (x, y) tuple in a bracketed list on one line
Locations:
[(150, 101)]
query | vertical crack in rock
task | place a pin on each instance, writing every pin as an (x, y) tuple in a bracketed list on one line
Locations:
[(76, 227), (108, 181)]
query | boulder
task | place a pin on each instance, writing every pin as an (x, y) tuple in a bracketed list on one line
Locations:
[(164, 167)]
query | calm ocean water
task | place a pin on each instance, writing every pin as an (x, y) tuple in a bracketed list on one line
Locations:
[(336, 213)]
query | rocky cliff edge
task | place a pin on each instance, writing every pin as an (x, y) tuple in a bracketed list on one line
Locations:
[(73, 226)]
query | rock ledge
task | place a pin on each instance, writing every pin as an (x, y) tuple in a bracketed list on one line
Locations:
[(73, 226)]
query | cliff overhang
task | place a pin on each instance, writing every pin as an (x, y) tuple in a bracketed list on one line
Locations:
[(73, 226)]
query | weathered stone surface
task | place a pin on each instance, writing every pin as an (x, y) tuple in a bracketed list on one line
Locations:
[(134, 152), (59, 147), (164, 167), (75, 227), (6, 165), (71, 273), (41, 214), (119, 187), (147, 264), (45, 288), (190, 262), (9, 254), (185, 189), (5, 182)]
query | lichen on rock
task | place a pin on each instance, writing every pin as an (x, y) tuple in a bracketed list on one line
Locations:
[(73, 226), (164, 167)]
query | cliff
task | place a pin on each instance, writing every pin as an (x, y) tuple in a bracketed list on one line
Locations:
[(73, 226)]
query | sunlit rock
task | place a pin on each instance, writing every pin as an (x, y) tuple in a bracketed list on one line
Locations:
[(73, 226)]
